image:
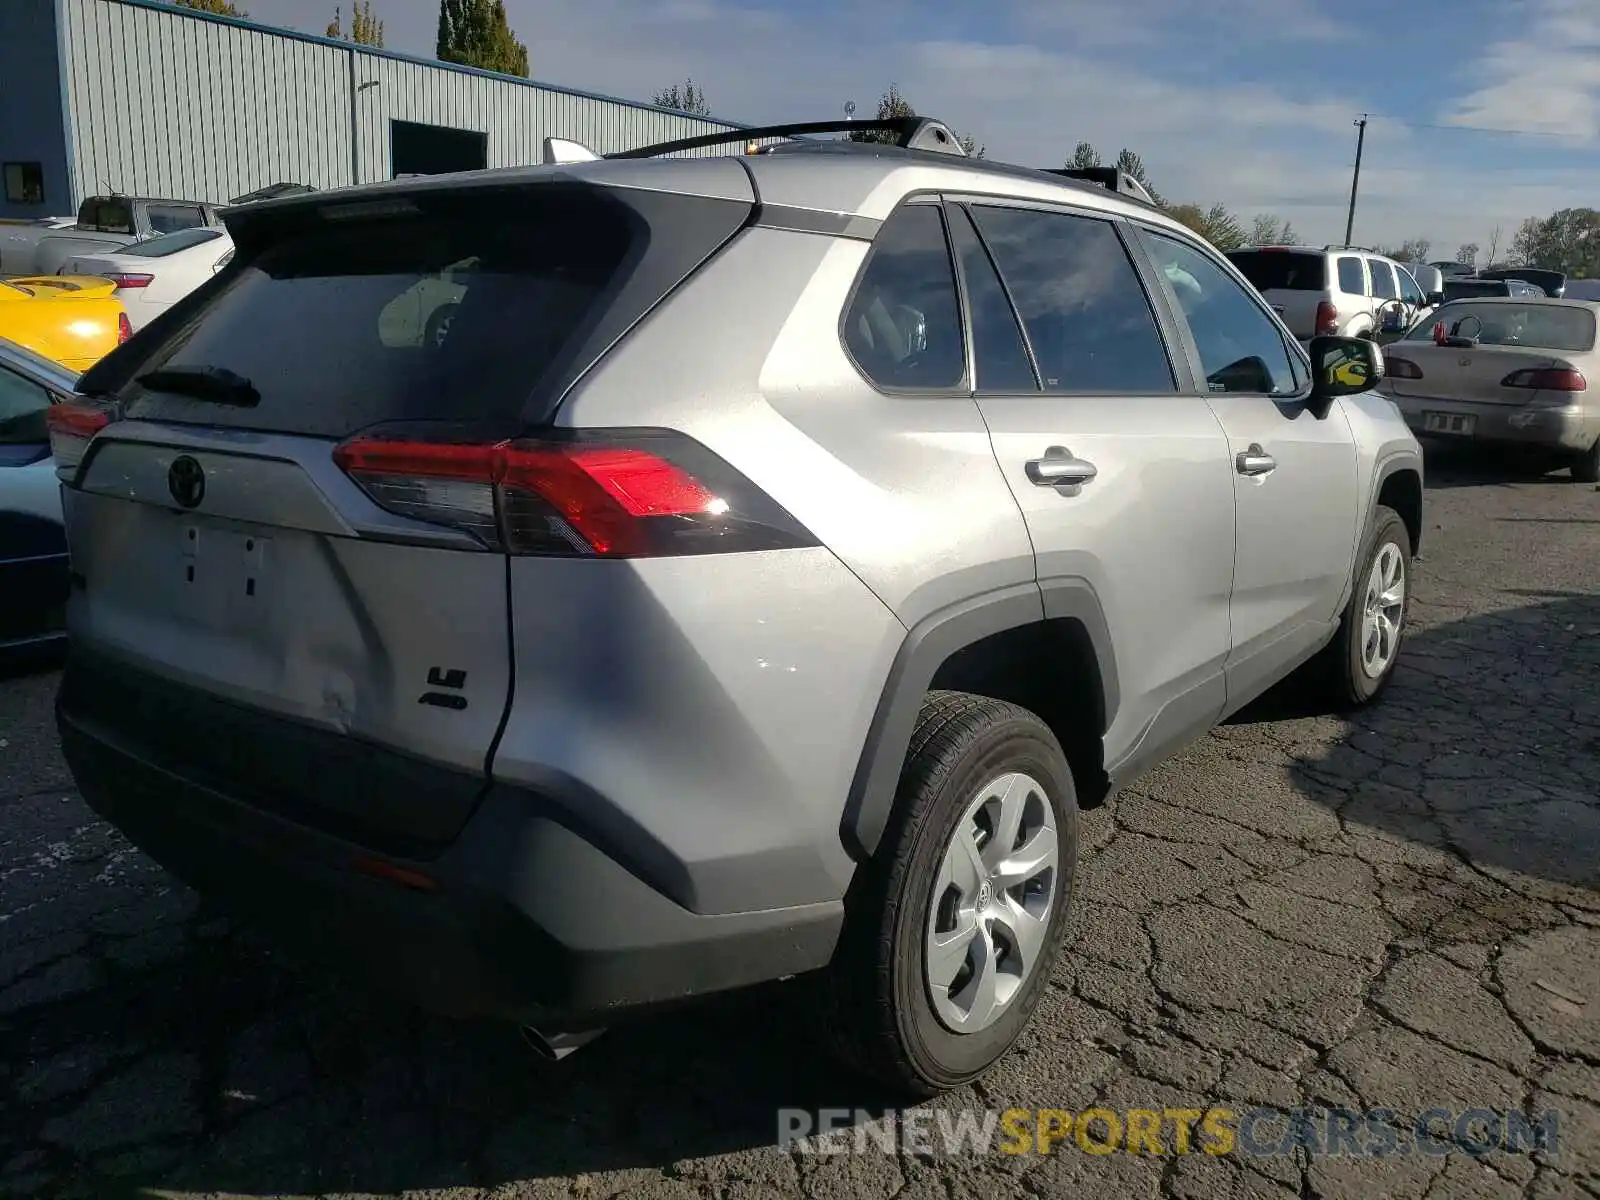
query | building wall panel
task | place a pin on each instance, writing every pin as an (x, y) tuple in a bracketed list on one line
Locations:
[(170, 103)]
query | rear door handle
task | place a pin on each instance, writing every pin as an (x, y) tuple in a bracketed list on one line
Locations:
[(1255, 461), (1058, 466)]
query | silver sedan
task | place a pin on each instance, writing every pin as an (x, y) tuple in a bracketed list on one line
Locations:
[(1501, 370)]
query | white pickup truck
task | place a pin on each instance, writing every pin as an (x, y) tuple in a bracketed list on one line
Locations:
[(19, 240), (106, 223)]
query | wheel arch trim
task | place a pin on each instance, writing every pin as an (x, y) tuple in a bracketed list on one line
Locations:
[(926, 647)]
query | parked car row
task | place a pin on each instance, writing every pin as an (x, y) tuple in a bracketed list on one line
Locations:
[(1336, 290)]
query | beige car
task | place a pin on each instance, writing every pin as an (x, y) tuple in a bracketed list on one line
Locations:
[(1502, 370)]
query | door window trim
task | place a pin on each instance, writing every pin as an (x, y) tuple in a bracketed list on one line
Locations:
[(1177, 360), (1191, 347)]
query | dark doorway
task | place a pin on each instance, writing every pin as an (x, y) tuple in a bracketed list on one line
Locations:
[(434, 149)]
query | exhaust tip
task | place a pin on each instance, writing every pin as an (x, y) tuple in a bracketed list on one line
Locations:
[(557, 1044)]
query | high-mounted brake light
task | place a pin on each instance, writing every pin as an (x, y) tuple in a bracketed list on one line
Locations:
[(1327, 320), (73, 424), (1400, 368), (641, 494), (1547, 379)]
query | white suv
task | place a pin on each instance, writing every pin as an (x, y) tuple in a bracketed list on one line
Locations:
[(1337, 290)]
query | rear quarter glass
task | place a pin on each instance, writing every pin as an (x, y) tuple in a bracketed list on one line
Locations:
[(1282, 270), (475, 305)]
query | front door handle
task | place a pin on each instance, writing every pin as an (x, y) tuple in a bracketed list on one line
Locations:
[(1059, 467), (1255, 461)]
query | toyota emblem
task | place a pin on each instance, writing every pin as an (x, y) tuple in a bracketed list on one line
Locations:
[(186, 480)]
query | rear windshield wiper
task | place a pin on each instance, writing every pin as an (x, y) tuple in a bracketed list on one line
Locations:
[(217, 385)]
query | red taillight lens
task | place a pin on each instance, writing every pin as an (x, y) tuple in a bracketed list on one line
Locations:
[(1327, 320), (73, 425), (1547, 379), (123, 280), (124, 328), (649, 494), (1400, 368)]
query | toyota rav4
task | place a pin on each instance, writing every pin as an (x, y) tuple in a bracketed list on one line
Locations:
[(751, 579)]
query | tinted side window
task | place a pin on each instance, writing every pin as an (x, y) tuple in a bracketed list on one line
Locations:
[(1352, 280), (22, 408), (1410, 290), (1384, 286), (997, 344), (1086, 314), (903, 326), (1241, 348), (169, 218)]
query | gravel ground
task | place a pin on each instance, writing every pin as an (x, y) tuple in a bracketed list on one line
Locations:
[(1400, 911)]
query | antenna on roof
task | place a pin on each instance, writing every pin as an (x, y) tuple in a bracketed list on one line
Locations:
[(564, 150)]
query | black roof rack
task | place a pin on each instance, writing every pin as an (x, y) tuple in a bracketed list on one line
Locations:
[(911, 133), (1111, 178)]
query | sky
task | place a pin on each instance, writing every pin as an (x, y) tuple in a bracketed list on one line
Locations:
[(1249, 102)]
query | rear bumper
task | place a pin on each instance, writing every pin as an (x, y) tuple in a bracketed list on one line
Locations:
[(1567, 428), (520, 918)]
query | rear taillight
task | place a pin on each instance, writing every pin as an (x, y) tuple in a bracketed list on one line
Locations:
[(124, 328), (73, 425), (1327, 321), (1547, 379), (638, 494), (1400, 368), (124, 280)]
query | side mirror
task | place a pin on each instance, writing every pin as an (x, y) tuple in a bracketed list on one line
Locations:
[(1343, 366), (1436, 298)]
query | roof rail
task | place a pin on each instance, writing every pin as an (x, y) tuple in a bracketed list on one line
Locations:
[(1362, 249), (1111, 178), (911, 133)]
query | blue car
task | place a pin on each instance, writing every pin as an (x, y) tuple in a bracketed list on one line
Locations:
[(33, 545)]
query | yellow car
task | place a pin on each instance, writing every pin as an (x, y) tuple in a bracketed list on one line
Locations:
[(74, 319)]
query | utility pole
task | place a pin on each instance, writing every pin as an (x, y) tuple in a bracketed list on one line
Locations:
[(1355, 180)]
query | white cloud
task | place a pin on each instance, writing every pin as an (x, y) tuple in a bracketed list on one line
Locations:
[(1085, 71), (1546, 79)]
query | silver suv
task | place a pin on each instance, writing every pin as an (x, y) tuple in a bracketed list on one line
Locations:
[(1336, 290), (752, 580)]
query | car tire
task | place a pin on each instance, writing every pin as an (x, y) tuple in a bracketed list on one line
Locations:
[(1347, 663), (968, 755), (1586, 465)]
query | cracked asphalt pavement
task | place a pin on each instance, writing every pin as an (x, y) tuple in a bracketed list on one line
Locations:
[(1396, 911)]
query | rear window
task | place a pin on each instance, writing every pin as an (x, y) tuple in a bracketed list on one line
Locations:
[(1282, 270), (169, 218), (456, 308), (106, 216), (1540, 326), (171, 243), (1462, 289)]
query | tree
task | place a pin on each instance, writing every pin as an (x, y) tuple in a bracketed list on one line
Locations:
[(686, 97), (220, 8), (1494, 247), (475, 33), (1084, 156), (1467, 253), (1268, 229), (1413, 250), (1216, 224), (365, 27), (1567, 241)]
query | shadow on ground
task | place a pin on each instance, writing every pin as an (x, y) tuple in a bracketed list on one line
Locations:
[(202, 1062), (1457, 465)]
